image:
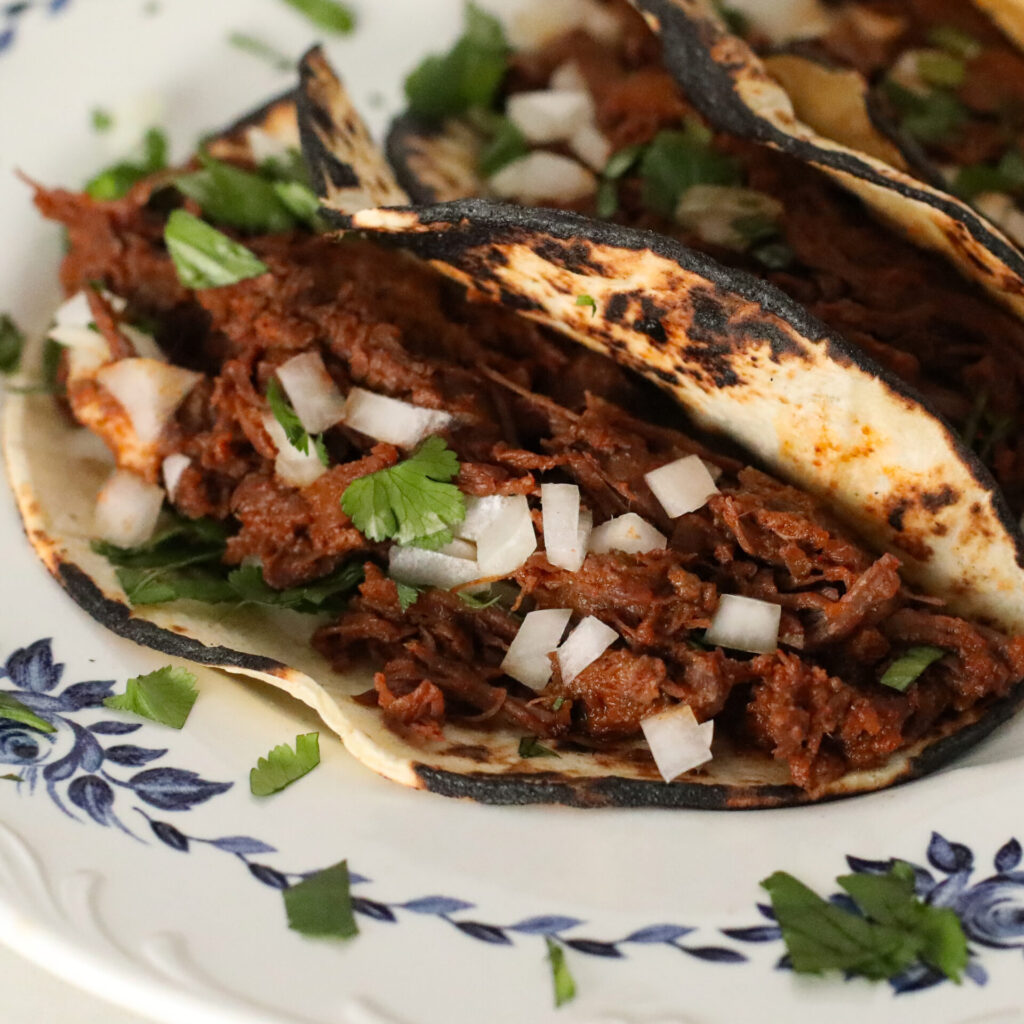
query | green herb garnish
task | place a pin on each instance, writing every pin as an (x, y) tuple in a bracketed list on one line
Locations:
[(478, 601), (326, 14), (412, 502), (185, 542), (954, 41), (408, 595), (328, 594), (11, 777), (561, 977), (930, 118), (287, 417), (263, 50), (735, 20), (619, 163), (896, 931), (165, 696), (506, 145), (1005, 176), (12, 341), (467, 76), (530, 747), (677, 160), (321, 905), (904, 670), (12, 709), (300, 201), (204, 257), (101, 120), (942, 70), (114, 182), (587, 300), (282, 766)]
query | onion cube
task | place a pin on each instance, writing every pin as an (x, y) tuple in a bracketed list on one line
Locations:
[(682, 486), (549, 115), (422, 568), (745, 624), (539, 22), (312, 392), (510, 540), (293, 467), (527, 659), (481, 514), (630, 533), (391, 420), (127, 509), (584, 645), (677, 741), (149, 391), (565, 539), (173, 466), (540, 176), (591, 145)]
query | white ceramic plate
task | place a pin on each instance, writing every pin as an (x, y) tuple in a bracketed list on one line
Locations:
[(136, 864)]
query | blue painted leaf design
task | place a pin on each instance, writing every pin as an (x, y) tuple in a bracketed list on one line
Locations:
[(916, 978), (32, 668), (784, 963), (94, 797), (268, 876), (114, 728), (132, 756), (845, 902), (550, 924), (174, 789), (484, 932), (593, 948), (759, 933), (354, 879), (86, 695), (869, 867), (371, 908), (976, 972), (170, 835), (1008, 856), (715, 954), (6, 38), (86, 755), (56, 6), (439, 905), (242, 845), (766, 911), (947, 856), (658, 933)]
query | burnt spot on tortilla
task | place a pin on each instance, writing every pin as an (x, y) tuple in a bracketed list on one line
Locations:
[(653, 328), (933, 501), (338, 174), (519, 302), (895, 517), (615, 308)]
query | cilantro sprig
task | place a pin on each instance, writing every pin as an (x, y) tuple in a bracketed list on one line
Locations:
[(14, 711), (165, 696), (530, 746), (893, 931), (328, 15), (282, 766), (115, 181), (321, 905), (413, 502), (561, 977), (205, 257), (12, 341), (292, 426)]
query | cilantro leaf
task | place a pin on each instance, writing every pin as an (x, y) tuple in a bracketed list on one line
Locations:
[(300, 201), (204, 257), (158, 586), (12, 341), (321, 905), (412, 502), (561, 976), (11, 777), (256, 47), (507, 144), (326, 14), (287, 417), (323, 595), (12, 709), (904, 670), (101, 120), (587, 300), (530, 747), (468, 76), (165, 696), (408, 595), (929, 118), (282, 766), (955, 41), (1005, 176), (185, 542), (478, 601), (114, 182), (941, 69)]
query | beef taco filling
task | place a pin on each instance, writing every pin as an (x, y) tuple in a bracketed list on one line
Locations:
[(589, 120), (511, 530)]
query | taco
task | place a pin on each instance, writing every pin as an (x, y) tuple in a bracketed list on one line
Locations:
[(623, 141), (444, 439)]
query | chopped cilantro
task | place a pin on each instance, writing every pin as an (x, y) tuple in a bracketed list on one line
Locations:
[(300, 201), (158, 586), (102, 120), (12, 341), (557, 703), (735, 20), (619, 164), (530, 747), (896, 930), (561, 976), (930, 118), (904, 670), (328, 594), (677, 160), (955, 41), (11, 777), (287, 417), (12, 709), (165, 696), (507, 143), (478, 601), (329, 15), (1005, 176), (185, 542), (407, 595), (467, 76), (282, 766), (51, 364), (942, 70), (204, 257), (321, 904), (257, 47), (412, 502), (115, 181), (320, 447), (587, 300), (606, 203)]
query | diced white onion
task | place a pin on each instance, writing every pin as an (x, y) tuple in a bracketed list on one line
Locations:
[(713, 470), (536, 24), (75, 312), (149, 391), (905, 72), (584, 645), (391, 420), (716, 213), (313, 394), (549, 115), (84, 362), (481, 514), (144, 344), (510, 540), (527, 658), (745, 624), (677, 741), (459, 548), (291, 465), (565, 543), (173, 466), (567, 77), (630, 533), (75, 329), (83, 339), (264, 145), (540, 176), (682, 486), (127, 509), (591, 145), (421, 568)]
